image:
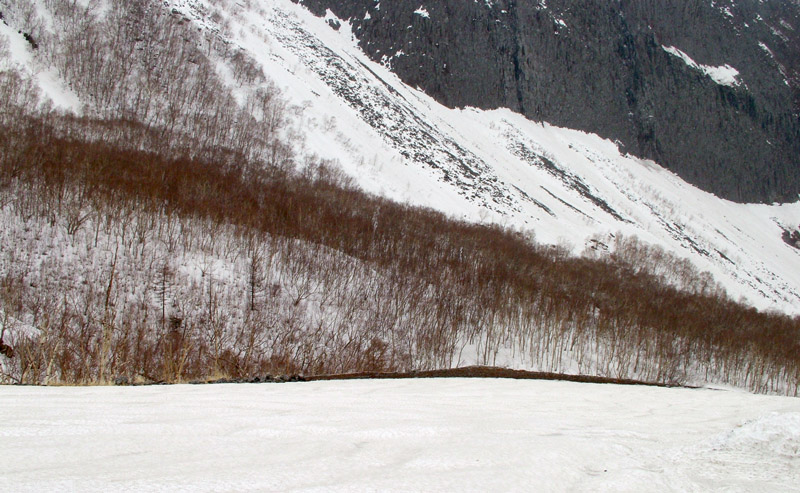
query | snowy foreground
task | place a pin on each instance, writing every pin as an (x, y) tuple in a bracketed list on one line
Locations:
[(406, 435)]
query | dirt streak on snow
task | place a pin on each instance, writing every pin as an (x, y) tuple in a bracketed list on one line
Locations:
[(410, 435)]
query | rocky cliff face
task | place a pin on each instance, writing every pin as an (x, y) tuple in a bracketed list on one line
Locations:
[(709, 89)]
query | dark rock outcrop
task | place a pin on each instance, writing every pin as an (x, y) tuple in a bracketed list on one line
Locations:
[(601, 66)]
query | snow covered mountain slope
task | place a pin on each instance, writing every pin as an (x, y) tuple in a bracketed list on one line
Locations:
[(567, 187), (723, 116)]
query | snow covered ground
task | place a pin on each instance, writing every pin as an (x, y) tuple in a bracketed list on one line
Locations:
[(407, 435)]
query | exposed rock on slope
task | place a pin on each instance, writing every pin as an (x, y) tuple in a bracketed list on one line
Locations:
[(709, 89)]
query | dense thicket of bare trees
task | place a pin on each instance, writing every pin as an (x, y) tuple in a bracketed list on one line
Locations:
[(137, 61), (123, 262), (171, 233)]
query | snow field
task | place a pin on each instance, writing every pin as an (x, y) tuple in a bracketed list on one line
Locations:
[(407, 435), (557, 185)]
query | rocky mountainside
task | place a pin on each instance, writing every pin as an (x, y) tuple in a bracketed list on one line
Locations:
[(711, 90)]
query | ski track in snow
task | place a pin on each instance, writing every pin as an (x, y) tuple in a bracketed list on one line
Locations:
[(410, 435)]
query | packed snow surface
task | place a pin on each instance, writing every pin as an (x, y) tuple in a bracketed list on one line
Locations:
[(402, 435)]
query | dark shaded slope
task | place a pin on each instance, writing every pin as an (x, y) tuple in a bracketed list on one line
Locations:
[(601, 66)]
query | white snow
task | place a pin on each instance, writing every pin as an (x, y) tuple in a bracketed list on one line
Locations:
[(779, 34), (781, 68), (766, 49), (724, 75), (409, 435), (19, 57), (641, 192), (739, 244)]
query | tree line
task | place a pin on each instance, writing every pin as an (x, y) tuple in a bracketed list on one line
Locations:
[(120, 261)]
